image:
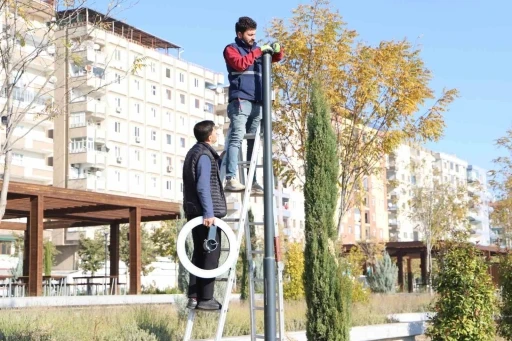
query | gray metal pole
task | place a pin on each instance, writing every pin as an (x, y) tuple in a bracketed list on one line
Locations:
[(269, 262)]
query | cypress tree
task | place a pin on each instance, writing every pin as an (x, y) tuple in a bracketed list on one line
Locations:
[(326, 290)]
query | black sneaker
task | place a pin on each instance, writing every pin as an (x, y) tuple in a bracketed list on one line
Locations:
[(212, 304), (192, 303), (256, 189)]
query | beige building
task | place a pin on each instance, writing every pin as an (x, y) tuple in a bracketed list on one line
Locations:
[(129, 128), (32, 93)]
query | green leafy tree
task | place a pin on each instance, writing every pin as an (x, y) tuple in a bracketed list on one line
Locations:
[(148, 249), (49, 254), (91, 252), (465, 307), (323, 280), (164, 239), (293, 272), (382, 278), (505, 321)]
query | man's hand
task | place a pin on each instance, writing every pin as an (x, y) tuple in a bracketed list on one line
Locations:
[(208, 221), (266, 48), (276, 47)]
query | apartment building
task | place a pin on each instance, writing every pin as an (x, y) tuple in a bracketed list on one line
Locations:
[(129, 129), (368, 221), (408, 166), (32, 92), (479, 215)]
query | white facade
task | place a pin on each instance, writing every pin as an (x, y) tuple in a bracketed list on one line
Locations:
[(479, 216), (131, 136), (407, 167)]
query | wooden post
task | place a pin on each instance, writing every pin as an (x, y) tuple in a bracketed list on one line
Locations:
[(35, 265), (135, 251), (26, 248), (114, 255), (410, 276), (400, 261)]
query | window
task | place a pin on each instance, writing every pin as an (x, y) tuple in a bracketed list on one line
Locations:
[(137, 84), (153, 181), (153, 90), (137, 179), (451, 165), (153, 112), (413, 180), (168, 185), (77, 145), (117, 175), (169, 139), (153, 67), (182, 120), (182, 77), (136, 152), (169, 117), (181, 187), (197, 103), (168, 94), (182, 142), (153, 135), (117, 78), (182, 98), (208, 107), (117, 54), (153, 156), (169, 161), (196, 82), (117, 127), (457, 168), (17, 159), (136, 131), (168, 73), (137, 108), (117, 151), (77, 120)]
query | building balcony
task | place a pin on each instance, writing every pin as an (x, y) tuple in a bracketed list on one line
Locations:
[(87, 183), (285, 212), (394, 223), (92, 107), (89, 82), (87, 130), (35, 144), (31, 173), (88, 158), (90, 56)]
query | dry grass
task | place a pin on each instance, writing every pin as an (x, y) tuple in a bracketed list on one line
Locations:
[(167, 322)]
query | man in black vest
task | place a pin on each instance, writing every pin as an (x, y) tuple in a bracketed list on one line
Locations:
[(203, 195), (244, 66)]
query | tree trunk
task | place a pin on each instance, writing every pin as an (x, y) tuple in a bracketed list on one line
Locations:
[(5, 183), (429, 269)]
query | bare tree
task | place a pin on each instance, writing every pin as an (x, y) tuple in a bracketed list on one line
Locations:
[(30, 33)]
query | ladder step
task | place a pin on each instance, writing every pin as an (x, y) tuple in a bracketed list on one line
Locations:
[(256, 223), (247, 164)]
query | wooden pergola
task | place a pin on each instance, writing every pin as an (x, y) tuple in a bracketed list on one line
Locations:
[(47, 207)]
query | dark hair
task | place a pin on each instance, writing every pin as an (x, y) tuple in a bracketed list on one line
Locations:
[(203, 130), (244, 24)]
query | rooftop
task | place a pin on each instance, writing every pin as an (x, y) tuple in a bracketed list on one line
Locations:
[(86, 15)]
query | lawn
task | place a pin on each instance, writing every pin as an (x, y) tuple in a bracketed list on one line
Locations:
[(167, 322)]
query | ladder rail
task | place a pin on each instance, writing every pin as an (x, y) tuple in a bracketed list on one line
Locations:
[(241, 228)]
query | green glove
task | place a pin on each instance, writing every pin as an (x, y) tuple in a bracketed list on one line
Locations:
[(276, 47), (266, 48)]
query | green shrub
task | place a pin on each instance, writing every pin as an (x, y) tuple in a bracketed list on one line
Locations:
[(383, 277)]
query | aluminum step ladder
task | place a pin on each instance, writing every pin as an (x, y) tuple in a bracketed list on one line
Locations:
[(241, 225)]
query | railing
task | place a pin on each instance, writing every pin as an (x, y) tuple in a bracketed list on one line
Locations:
[(26, 96)]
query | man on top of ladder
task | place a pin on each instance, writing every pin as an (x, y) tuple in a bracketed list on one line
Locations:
[(203, 196), (244, 64)]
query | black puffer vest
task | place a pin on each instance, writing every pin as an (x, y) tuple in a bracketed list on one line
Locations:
[(191, 204)]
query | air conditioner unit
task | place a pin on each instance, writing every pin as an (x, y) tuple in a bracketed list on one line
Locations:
[(119, 159), (119, 109), (169, 169), (137, 139)]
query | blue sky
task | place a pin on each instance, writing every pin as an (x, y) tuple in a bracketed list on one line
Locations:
[(465, 43)]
